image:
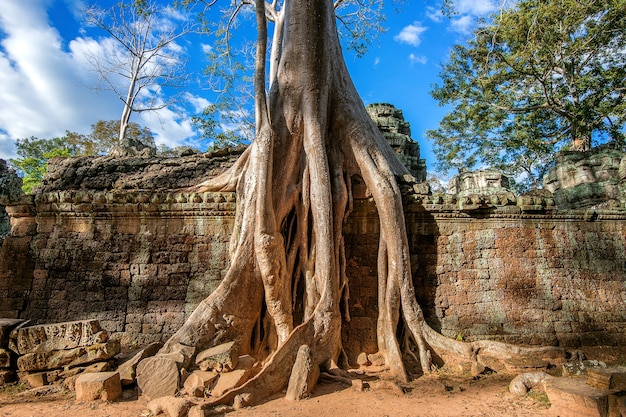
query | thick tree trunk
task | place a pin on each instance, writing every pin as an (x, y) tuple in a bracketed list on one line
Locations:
[(294, 193)]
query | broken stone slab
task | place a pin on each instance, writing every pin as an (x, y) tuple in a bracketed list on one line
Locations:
[(170, 406), (198, 382), (581, 367), (7, 376), (234, 378), (157, 377), (607, 378), (98, 386), (222, 357), (6, 326), (35, 380), (572, 397), (304, 375), (128, 369), (56, 359), (57, 336)]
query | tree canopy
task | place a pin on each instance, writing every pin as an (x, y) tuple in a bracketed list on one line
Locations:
[(536, 78), (34, 153)]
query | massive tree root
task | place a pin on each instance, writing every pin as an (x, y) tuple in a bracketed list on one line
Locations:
[(287, 281)]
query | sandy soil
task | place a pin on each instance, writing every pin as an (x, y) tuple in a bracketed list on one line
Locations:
[(436, 395)]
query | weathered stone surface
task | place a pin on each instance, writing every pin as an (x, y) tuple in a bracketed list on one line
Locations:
[(170, 406), (304, 375), (72, 357), (127, 369), (609, 378), (157, 377), (222, 357), (574, 398), (234, 378), (35, 380), (197, 383), (583, 179), (57, 336), (581, 367), (617, 405), (98, 386)]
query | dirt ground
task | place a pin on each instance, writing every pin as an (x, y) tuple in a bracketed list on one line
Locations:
[(436, 395)]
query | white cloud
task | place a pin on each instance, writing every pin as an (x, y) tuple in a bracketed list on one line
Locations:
[(433, 13), (417, 59), (206, 48), (376, 61), (463, 24), (475, 7), (411, 34), (45, 90)]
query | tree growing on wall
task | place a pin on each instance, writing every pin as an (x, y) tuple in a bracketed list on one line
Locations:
[(146, 58), (538, 77), (284, 297)]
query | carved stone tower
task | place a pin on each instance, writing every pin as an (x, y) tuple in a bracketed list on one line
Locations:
[(397, 131)]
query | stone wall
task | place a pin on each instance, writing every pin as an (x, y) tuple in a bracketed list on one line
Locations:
[(492, 265)]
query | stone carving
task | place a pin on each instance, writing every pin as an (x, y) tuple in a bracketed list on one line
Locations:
[(584, 179), (397, 131)]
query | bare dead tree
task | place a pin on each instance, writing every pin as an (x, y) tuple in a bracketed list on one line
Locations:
[(146, 58)]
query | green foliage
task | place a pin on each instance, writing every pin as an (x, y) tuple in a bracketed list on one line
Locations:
[(34, 153), (539, 77)]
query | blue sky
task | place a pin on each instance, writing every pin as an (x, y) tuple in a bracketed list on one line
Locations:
[(47, 85)]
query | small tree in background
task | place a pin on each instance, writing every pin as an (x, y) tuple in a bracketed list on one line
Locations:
[(146, 59)]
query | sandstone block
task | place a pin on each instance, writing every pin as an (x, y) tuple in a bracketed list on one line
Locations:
[(57, 336), (223, 357), (617, 405), (128, 369), (170, 406), (197, 383), (35, 380), (73, 357), (581, 367), (157, 377), (609, 378), (362, 359), (235, 378), (574, 398), (304, 375), (98, 386)]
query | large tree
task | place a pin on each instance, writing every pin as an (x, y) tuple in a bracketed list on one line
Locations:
[(145, 60), (535, 78), (284, 289)]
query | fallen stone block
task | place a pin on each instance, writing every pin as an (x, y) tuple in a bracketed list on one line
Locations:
[(128, 369), (198, 382), (580, 367), (35, 380), (304, 375), (57, 336), (56, 359), (98, 386), (607, 378), (171, 406), (222, 357), (234, 378), (157, 377), (574, 398)]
